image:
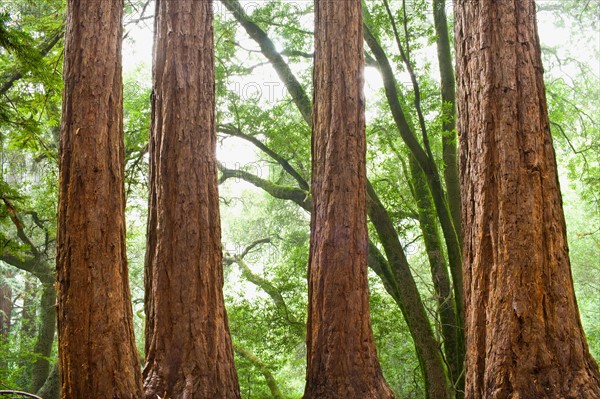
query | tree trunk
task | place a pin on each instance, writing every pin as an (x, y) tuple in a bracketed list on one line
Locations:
[(410, 303), (448, 93), (6, 306), (97, 352), (342, 362), (51, 387), (524, 335), (45, 337), (190, 354), (450, 325)]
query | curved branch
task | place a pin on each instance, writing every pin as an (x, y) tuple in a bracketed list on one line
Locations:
[(14, 217), (233, 131), (426, 164), (294, 194), (262, 367), (273, 292), (270, 52), (44, 49)]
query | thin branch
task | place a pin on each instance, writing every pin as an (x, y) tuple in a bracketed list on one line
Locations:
[(270, 52), (44, 49), (14, 217), (233, 131), (294, 194)]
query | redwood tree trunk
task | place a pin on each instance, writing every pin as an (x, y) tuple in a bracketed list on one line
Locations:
[(524, 335), (190, 353), (98, 357), (342, 362)]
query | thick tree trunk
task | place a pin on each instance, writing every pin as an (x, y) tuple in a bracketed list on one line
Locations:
[(98, 357), (342, 362), (190, 354), (524, 335)]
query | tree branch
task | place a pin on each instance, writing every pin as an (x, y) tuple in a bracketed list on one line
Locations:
[(262, 367), (14, 217), (233, 131), (269, 51), (44, 49), (294, 194), (266, 285)]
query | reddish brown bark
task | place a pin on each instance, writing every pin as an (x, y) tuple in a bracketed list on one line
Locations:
[(524, 335), (98, 357), (190, 354), (342, 362)]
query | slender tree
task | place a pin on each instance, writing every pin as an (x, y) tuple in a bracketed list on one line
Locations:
[(523, 331), (189, 352), (6, 306), (342, 362), (98, 357)]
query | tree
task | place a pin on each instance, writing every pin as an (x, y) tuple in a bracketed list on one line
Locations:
[(98, 357), (523, 331), (189, 349), (342, 362)]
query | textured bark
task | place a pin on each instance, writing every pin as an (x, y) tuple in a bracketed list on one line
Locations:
[(342, 362), (190, 354), (524, 335), (97, 352)]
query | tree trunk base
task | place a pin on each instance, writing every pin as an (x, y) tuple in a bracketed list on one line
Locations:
[(356, 390)]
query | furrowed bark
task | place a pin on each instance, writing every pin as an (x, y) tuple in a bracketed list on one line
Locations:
[(96, 338), (523, 330), (341, 357), (190, 354)]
